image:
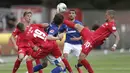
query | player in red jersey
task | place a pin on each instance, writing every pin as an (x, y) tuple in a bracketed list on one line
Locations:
[(36, 33), (21, 43), (93, 39)]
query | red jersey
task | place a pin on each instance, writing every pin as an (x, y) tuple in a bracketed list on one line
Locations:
[(36, 33), (21, 40), (103, 32)]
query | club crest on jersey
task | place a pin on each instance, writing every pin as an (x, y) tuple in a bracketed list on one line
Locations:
[(51, 31)]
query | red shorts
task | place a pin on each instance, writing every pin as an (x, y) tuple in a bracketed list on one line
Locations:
[(88, 42), (25, 50), (87, 46), (43, 52)]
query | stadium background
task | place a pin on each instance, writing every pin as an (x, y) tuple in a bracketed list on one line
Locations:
[(90, 12)]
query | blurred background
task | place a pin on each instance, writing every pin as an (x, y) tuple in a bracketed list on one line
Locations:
[(89, 12)]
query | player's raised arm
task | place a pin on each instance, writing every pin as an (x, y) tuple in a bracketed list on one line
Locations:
[(42, 25)]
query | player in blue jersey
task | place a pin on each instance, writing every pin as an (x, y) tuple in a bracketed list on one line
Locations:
[(73, 41)]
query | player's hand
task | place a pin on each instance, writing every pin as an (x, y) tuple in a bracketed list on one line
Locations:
[(75, 39), (113, 47), (35, 48), (61, 36)]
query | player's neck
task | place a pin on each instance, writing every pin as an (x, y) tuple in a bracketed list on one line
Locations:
[(72, 20), (111, 20)]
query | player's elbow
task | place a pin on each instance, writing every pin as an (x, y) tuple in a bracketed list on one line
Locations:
[(117, 37)]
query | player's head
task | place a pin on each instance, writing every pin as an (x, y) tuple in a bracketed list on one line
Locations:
[(27, 16), (110, 14), (72, 14), (58, 19), (21, 26)]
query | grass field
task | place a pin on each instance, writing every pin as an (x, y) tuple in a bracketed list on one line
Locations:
[(114, 62)]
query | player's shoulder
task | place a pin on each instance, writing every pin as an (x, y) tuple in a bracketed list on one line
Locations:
[(113, 23)]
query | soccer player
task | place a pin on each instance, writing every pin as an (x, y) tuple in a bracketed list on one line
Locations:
[(21, 43), (39, 38), (73, 41), (53, 34), (94, 39)]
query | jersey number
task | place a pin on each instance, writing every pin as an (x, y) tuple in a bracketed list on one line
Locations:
[(39, 34), (87, 44)]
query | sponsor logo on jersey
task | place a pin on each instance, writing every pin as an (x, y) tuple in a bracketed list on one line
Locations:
[(51, 31)]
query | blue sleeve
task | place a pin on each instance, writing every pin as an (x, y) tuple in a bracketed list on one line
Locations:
[(62, 28), (78, 22), (52, 31)]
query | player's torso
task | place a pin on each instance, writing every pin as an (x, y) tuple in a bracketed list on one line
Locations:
[(53, 30), (22, 41), (101, 34), (37, 35), (71, 33)]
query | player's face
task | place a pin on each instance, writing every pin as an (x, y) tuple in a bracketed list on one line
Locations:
[(107, 16), (72, 15), (28, 17)]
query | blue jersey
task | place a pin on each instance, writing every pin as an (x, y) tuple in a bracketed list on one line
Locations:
[(71, 33), (52, 29)]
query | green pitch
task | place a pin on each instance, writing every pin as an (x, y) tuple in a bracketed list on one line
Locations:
[(114, 62)]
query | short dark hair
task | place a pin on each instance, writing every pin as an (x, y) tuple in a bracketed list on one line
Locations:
[(26, 12), (58, 19), (73, 10), (20, 26)]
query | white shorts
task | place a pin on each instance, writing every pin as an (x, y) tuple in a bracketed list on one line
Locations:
[(71, 48), (53, 60)]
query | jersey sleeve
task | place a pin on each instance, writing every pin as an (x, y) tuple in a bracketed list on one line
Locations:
[(52, 31), (112, 27), (62, 28), (78, 22), (15, 32)]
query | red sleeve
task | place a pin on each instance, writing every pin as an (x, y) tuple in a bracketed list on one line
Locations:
[(37, 25), (112, 27), (15, 32)]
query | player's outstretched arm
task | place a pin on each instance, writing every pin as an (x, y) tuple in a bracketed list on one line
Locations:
[(72, 25), (45, 25), (51, 37), (116, 34), (76, 38)]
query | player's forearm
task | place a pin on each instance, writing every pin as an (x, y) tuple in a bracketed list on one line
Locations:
[(79, 38), (117, 40), (49, 37), (13, 40)]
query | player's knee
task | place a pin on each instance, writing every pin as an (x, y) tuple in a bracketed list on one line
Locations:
[(44, 65), (82, 56), (29, 58), (65, 55), (20, 57)]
